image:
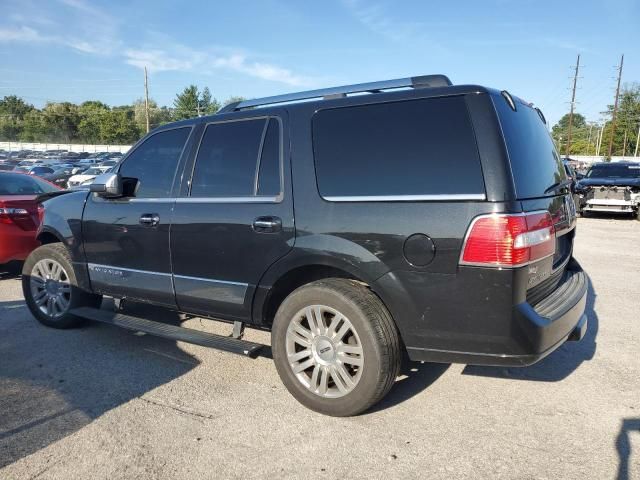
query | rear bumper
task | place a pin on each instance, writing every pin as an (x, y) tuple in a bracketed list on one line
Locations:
[(522, 338), (15, 243)]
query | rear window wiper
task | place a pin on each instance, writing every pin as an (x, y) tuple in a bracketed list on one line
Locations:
[(556, 187)]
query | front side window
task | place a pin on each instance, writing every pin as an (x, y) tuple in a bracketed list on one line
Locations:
[(230, 156), (409, 149), (154, 163)]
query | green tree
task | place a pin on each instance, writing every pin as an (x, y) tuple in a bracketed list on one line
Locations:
[(34, 128), (186, 104), (208, 104), (118, 126), (61, 122), (157, 115), (627, 120), (13, 109), (91, 114)]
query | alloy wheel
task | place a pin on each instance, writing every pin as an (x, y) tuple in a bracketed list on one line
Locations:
[(50, 288), (324, 351)]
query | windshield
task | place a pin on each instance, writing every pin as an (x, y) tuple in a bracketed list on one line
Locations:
[(93, 171), (614, 171), (16, 184)]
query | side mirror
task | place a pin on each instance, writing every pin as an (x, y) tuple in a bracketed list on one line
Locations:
[(107, 185)]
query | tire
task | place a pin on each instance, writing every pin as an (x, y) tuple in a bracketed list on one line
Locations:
[(48, 274), (352, 359)]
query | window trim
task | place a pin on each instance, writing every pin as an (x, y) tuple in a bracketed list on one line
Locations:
[(439, 197), (255, 198), (178, 166)]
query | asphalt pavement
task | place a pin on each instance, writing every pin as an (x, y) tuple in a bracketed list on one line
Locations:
[(104, 403)]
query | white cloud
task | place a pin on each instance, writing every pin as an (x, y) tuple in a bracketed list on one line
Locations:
[(98, 34), (155, 60), (181, 58), (20, 34)]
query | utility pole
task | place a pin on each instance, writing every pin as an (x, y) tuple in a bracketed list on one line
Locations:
[(615, 107), (146, 98), (573, 102), (637, 141)]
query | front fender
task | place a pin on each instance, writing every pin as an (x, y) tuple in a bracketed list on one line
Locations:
[(63, 220)]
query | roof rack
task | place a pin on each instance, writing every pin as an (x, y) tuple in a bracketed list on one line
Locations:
[(424, 81)]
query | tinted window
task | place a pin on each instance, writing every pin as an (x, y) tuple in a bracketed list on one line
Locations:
[(614, 171), (419, 147), (16, 184), (227, 159), (535, 163), (269, 176), (154, 162)]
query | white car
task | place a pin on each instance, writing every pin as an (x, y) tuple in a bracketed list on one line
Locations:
[(86, 177)]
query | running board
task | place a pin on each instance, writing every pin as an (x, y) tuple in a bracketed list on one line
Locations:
[(173, 332)]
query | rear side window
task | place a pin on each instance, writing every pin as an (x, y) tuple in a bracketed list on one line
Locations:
[(154, 163), (269, 174), (416, 148), (238, 159), (535, 163)]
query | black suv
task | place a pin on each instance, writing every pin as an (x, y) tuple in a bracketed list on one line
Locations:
[(415, 216)]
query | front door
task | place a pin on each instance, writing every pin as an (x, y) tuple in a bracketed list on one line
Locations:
[(126, 240), (234, 218)]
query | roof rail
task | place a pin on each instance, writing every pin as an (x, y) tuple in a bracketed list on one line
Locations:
[(424, 81)]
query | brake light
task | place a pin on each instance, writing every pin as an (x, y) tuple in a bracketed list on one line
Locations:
[(505, 240), (40, 213), (8, 214)]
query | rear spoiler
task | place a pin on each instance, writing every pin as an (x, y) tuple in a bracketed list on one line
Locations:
[(49, 195)]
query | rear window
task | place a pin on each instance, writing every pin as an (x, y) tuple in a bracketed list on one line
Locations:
[(16, 184), (614, 171), (417, 148), (535, 163)]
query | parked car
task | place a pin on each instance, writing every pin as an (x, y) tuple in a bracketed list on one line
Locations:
[(86, 176), (34, 169), (610, 188), (433, 220), (19, 216), (109, 163), (61, 175)]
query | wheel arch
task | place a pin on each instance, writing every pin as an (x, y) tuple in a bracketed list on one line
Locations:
[(283, 278)]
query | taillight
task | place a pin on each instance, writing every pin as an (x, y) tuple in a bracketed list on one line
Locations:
[(505, 240), (40, 213), (8, 214)]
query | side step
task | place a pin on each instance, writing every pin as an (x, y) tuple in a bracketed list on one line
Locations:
[(232, 345)]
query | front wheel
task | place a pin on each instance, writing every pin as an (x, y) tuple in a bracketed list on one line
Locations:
[(336, 347), (50, 287)]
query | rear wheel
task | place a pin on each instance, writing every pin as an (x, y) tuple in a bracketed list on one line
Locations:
[(50, 287), (336, 347)]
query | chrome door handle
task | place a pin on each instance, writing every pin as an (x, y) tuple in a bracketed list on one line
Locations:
[(267, 224), (150, 219)]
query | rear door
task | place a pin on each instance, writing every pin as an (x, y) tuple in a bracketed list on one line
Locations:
[(234, 218), (126, 240)]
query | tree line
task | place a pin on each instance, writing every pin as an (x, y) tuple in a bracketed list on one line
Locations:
[(94, 122), (585, 134)]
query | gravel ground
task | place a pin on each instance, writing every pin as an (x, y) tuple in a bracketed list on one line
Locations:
[(99, 402)]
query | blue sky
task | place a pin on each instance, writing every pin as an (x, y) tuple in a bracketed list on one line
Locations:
[(78, 50)]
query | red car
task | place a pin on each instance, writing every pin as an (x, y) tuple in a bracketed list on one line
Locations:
[(19, 217)]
